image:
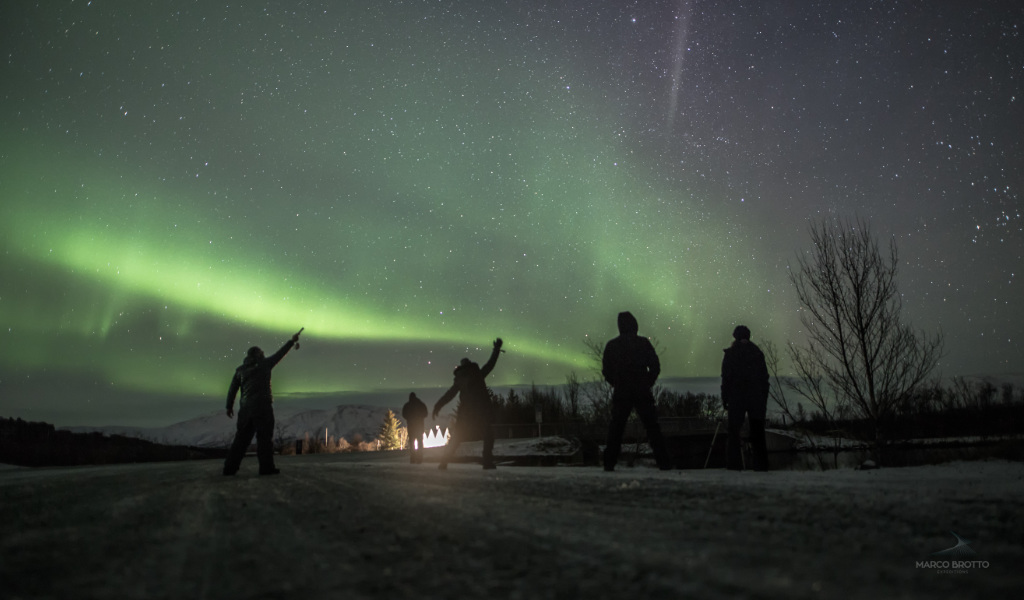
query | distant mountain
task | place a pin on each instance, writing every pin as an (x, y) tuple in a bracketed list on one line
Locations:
[(216, 430)]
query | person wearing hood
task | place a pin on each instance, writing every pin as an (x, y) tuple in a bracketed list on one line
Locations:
[(631, 366), (475, 411), (256, 409), (414, 412), (745, 385)]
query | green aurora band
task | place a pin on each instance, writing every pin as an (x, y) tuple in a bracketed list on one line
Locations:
[(403, 197), (139, 250)]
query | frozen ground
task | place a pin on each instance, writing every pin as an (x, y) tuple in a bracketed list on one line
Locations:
[(374, 526)]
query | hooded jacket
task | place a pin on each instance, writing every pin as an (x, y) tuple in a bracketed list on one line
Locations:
[(414, 412), (629, 361)]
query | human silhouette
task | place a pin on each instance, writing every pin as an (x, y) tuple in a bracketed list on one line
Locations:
[(475, 408), (414, 412), (630, 364), (256, 409), (745, 394)]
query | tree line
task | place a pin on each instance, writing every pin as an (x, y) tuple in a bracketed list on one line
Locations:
[(36, 444)]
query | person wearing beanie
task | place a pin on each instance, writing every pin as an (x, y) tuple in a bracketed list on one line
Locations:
[(631, 366), (745, 385)]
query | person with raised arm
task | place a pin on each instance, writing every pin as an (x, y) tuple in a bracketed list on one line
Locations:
[(256, 409), (475, 412)]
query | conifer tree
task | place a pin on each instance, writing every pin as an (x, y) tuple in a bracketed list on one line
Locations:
[(389, 434)]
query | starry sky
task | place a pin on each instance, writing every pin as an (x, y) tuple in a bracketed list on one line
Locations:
[(409, 180)]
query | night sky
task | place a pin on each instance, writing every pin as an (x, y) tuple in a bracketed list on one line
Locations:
[(409, 180)]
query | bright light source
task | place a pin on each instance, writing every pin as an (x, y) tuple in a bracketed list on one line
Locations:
[(434, 437)]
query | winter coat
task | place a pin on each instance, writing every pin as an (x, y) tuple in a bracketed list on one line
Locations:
[(253, 378), (414, 412), (745, 379), (629, 362), (474, 401)]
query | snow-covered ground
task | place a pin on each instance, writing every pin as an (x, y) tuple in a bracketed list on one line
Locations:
[(372, 525)]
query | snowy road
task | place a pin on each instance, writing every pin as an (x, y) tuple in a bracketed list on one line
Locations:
[(373, 526)]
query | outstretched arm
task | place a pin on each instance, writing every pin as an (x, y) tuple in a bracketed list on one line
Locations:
[(489, 366), (276, 357), (444, 399)]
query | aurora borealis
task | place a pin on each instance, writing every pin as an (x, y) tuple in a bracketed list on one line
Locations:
[(410, 180)]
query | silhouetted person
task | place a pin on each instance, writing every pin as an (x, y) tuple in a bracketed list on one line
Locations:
[(415, 412), (745, 393), (256, 410), (631, 366), (475, 408)]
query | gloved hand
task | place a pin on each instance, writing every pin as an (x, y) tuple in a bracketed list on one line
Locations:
[(498, 343)]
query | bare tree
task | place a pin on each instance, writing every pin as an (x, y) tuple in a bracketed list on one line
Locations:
[(859, 351), (281, 443), (776, 391), (597, 391), (572, 394), (811, 389)]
